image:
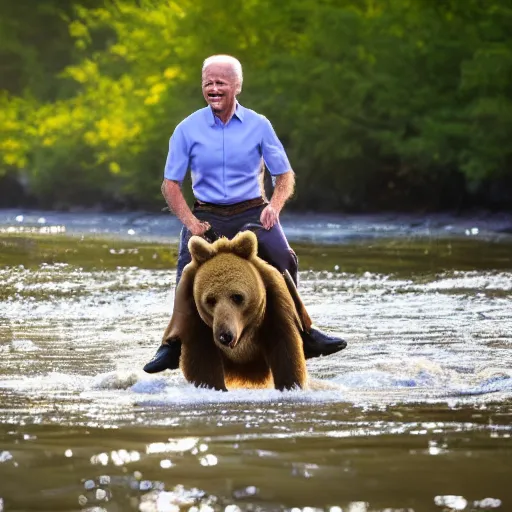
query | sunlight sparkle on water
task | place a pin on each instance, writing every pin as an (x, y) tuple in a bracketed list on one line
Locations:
[(487, 503), (180, 445), (5, 456), (43, 230), (208, 460), (118, 458), (454, 503)]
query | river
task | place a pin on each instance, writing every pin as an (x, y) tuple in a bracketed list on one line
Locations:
[(414, 415)]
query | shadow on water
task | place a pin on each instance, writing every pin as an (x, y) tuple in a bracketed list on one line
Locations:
[(415, 415)]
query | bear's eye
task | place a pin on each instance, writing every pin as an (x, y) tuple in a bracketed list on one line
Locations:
[(237, 298), (211, 300)]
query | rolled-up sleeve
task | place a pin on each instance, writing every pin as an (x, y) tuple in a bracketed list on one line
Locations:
[(178, 158), (273, 151)]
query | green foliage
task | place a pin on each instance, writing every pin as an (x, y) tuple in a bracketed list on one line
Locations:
[(14, 144), (377, 102)]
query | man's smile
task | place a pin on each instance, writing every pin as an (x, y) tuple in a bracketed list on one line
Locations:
[(220, 86)]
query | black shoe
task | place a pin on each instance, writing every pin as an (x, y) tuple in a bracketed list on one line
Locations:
[(316, 343), (167, 357)]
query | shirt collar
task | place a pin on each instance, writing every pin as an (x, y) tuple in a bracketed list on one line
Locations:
[(239, 113)]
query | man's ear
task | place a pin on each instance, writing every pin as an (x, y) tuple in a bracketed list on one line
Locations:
[(200, 249), (245, 245)]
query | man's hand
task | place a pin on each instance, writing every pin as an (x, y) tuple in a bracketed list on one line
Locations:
[(198, 227), (177, 204), (282, 191), (269, 216)]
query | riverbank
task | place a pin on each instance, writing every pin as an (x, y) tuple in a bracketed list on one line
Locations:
[(307, 227)]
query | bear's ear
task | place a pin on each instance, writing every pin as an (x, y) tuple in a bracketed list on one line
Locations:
[(245, 245), (200, 249)]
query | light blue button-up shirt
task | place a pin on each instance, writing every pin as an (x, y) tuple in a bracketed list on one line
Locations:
[(224, 159)]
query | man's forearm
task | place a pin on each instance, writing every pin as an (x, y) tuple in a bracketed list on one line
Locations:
[(283, 190), (174, 198)]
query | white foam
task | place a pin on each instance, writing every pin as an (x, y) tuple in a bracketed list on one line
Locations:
[(52, 381), (115, 380), (150, 386), (22, 345), (385, 382)]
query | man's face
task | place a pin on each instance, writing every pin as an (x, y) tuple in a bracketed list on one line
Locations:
[(220, 87)]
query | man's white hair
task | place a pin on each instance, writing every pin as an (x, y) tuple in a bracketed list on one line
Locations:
[(226, 59)]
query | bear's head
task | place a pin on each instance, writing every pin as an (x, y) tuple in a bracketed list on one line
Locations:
[(228, 290)]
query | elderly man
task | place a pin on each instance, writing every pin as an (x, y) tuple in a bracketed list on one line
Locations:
[(223, 145)]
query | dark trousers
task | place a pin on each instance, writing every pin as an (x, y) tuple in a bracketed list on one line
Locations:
[(272, 244)]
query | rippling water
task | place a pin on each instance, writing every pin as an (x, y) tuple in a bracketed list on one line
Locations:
[(415, 415)]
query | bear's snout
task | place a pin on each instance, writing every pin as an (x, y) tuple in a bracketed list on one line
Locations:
[(226, 338), (227, 324)]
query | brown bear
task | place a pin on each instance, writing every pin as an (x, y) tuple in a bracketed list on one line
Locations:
[(236, 318)]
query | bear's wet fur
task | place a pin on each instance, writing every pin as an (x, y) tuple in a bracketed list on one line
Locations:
[(236, 319)]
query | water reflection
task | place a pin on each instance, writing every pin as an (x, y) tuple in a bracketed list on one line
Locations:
[(309, 470)]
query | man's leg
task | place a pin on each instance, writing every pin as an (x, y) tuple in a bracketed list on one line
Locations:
[(273, 247), (167, 357), (168, 354), (184, 257)]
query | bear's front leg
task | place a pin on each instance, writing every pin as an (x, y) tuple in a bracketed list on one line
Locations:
[(201, 363), (286, 360)]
